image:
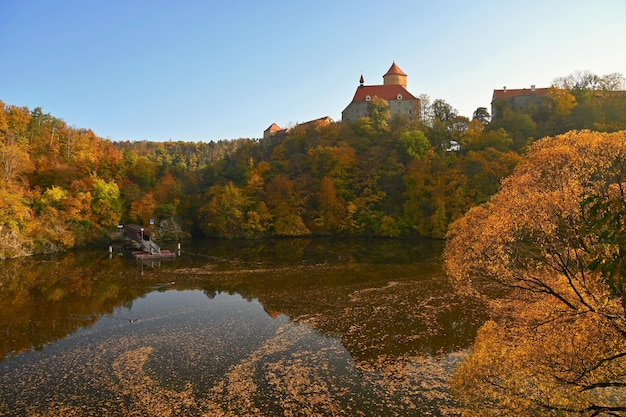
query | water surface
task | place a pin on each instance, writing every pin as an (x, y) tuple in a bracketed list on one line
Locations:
[(274, 328)]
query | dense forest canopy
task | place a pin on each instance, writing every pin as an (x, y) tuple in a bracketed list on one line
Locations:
[(63, 186)]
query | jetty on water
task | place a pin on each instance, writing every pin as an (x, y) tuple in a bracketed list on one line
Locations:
[(146, 247)]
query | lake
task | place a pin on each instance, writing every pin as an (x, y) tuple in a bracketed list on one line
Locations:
[(284, 327)]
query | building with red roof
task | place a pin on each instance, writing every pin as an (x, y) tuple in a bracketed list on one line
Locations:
[(275, 130), (393, 90), (272, 130), (518, 98)]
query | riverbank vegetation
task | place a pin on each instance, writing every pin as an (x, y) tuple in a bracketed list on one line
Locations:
[(63, 186)]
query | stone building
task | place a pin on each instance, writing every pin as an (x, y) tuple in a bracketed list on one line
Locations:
[(393, 90), (275, 130), (519, 98)]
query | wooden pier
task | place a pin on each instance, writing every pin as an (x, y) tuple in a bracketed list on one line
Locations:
[(164, 254)]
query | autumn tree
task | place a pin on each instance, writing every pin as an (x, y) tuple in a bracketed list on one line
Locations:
[(535, 252), (142, 209), (106, 205), (14, 146), (334, 215), (286, 206), (167, 194), (230, 213), (14, 160)]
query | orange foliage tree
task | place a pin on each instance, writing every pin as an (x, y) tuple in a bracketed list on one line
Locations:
[(557, 341)]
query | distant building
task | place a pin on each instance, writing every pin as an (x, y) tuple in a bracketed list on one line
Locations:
[(518, 98), (322, 121), (275, 130), (401, 101), (271, 131)]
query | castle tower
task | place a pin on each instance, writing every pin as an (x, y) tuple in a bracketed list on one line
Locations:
[(395, 76)]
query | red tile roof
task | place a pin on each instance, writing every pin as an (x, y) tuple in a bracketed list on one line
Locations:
[(273, 128), (515, 92), (394, 69), (387, 92), (321, 120)]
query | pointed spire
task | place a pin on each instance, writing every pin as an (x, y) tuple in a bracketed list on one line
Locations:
[(395, 69), (361, 80)]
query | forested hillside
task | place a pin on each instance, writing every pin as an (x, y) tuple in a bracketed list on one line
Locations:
[(62, 186)]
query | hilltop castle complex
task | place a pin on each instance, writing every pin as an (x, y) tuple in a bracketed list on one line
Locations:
[(393, 90), (403, 103)]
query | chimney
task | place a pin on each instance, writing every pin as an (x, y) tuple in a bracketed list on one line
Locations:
[(532, 87), (504, 89)]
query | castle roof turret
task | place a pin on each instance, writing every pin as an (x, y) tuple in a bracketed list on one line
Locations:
[(394, 70), (395, 76)]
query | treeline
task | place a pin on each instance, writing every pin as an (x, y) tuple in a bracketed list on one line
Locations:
[(63, 186)]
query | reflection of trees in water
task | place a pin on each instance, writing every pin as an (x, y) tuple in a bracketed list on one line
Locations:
[(44, 299), (308, 251), (390, 314), (339, 286), (395, 309)]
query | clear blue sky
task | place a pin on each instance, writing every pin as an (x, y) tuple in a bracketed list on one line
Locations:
[(208, 70)]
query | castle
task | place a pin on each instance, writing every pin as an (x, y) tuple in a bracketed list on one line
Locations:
[(403, 103), (393, 90)]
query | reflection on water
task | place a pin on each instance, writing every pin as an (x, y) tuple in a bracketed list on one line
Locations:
[(280, 327)]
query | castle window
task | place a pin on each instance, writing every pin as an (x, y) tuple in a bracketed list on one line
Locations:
[(367, 98), (399, 96)]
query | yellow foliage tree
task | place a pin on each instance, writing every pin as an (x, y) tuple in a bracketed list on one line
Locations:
[(142, 210), (557, 344)]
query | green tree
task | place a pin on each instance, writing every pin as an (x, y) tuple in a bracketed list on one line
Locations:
[(379, 113), (441, 124), (482, 115), (497, 139), (519, 126), (414, 143), (606, 219)]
